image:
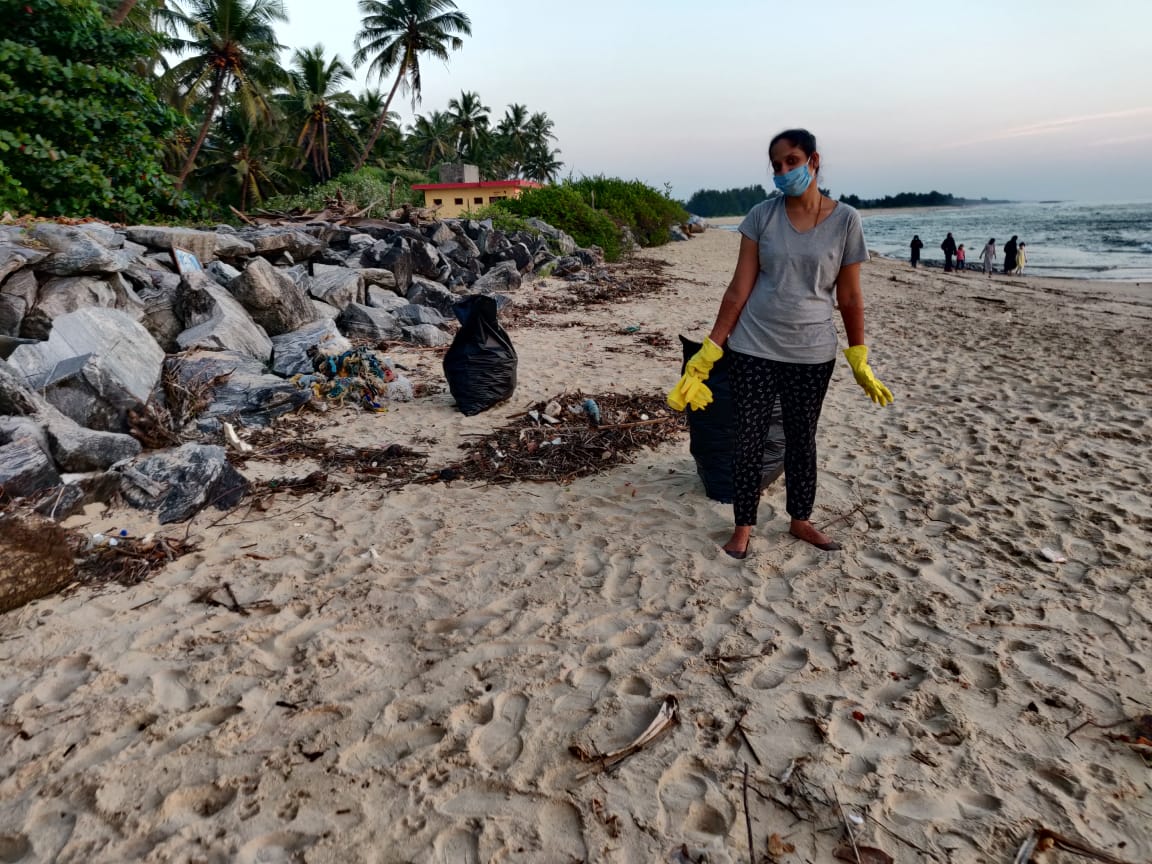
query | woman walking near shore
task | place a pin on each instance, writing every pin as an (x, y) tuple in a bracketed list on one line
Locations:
[(988, 256), (800, 256)]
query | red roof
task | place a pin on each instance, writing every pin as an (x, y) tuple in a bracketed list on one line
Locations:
[(483, 184)]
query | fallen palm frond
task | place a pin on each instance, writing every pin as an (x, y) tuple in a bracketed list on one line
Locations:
[(667, 717), (1042, 839)]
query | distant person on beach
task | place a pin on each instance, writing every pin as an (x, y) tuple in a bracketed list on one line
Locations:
[(1010, 255), (1021, 260), (917, 245), (949, 247), (988, 256), (800, 257), (961, 266)]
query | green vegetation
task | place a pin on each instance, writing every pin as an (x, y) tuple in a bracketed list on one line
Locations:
[(504, 221), (646, 212), (96, 124), (729, 202), (595, 209), (913, 199), (562, 207), (378, 189), (83, 132)]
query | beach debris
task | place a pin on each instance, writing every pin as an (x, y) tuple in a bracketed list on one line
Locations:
[(778, 847), (609, 820), (667, 717), (592, 409), (534, 448), (1042, 839), (1050, 554), (122, 559), (234, 440)]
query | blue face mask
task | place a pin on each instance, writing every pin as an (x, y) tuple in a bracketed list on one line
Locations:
[(794, 182)]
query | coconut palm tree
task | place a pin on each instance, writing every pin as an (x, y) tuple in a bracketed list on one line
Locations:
[(432, 139), (315, 103), (513, 134), (363, 114), (541, 164), (471, 120), (393, 36), (234, 50), (121, 12), (244, 159), (538, 131)]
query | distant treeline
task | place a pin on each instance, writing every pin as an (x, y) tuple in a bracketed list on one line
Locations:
[(730, 202), (913, 199)]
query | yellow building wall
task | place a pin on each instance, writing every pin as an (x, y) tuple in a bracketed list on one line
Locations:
[(452, 203)]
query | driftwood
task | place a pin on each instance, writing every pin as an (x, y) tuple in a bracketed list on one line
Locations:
[(1042, 839), (667, 717)]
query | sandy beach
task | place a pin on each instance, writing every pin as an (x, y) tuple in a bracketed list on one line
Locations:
[(404, 672)]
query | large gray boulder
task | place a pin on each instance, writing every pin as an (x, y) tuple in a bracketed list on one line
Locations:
[(563, 242), (74, 252), (383, 298), (15, 256), (205, 245), (395, 256), (272, 298), (66, 294), (96, 365), (217, 321), (25, 468), (12, 311), (429, 293), (290, 350), (179, 483), (428, 262), (76, 449), (366, 322), (427, 335), (505, 276), (375, 276), (414, 313), (266, 241), (338, 286)]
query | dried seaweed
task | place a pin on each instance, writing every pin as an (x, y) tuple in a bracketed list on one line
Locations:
[(130, 561), (534, 449)]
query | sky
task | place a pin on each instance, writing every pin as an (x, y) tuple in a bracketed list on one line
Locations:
[(1017, 99)]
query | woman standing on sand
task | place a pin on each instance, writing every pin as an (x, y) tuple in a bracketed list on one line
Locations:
[(988, 256), (917, 244), (800, 255)]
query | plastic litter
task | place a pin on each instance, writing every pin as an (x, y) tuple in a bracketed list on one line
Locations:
[(1050, 554), (592, 410)]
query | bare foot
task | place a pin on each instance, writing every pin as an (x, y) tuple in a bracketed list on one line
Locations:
[(737, 546), (804, 530)]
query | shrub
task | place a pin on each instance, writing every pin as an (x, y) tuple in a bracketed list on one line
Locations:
[(82, 132), (647, 212), (504, 221), (562, 207), (379, 189)]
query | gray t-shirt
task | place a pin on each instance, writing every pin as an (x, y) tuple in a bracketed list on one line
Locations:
[(788, 316)]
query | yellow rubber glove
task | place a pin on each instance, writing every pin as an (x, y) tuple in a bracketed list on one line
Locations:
[(690, 390), (858, 359)]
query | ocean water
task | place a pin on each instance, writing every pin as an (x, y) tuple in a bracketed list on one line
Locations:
[(1071, 239)]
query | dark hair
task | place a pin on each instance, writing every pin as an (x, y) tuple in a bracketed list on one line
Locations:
[(993, 240), (801, 138)]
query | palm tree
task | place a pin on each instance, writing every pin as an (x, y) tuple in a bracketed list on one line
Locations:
[(315, 99), (244, 159), (394, 35), (541, 164), (513, 133), (234, 49), (538, 130), (471, 121), (432, 139), (363, 114)]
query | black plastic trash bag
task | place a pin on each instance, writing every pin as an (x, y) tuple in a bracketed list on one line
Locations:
[(712, 433), (481, 363)]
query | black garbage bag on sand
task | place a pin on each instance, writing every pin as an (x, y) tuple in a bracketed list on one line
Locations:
[(481, 363), (712, 433)]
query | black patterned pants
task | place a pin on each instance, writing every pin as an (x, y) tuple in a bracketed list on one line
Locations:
[(756, 384)]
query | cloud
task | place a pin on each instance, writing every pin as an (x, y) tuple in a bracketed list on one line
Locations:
[(1063, 124)]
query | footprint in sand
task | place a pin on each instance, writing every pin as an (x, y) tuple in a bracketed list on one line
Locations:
[(66, 677), (456, 846), (783, 667), (497, 744), (13, 848)]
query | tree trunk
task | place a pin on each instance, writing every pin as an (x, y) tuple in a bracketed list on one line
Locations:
[(213, 104), (122, 12), (379, 125)]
